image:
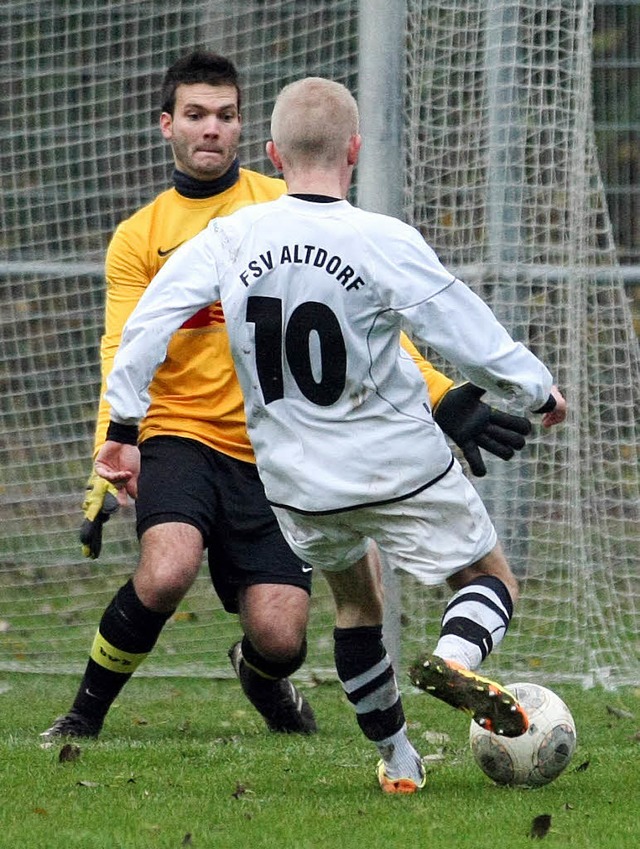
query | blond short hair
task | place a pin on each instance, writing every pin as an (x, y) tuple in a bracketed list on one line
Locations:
[(313, 120)]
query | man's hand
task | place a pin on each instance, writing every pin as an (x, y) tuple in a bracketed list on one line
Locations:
[(100, 503), (559, 412), (119, 463), (472, 425)]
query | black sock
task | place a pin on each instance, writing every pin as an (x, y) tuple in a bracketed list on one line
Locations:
[(127, 632), (475, 621), (264, 682), (368, 679)]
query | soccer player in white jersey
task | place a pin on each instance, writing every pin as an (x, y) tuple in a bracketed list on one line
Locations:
[(315, 293)]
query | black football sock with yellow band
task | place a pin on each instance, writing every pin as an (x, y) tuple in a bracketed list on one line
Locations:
[(127, 633)]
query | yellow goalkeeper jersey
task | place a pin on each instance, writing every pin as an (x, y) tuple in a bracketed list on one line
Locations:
[(195, 392)]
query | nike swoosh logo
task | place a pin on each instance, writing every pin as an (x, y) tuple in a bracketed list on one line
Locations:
[(170, 250), (307, 568)]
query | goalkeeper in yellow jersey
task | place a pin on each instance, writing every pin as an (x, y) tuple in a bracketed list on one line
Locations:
[(198, 487)]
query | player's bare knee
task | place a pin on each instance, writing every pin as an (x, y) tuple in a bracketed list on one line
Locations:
[(274, 617), (277, 658), (158, 597), (161, 586), (279, 645)]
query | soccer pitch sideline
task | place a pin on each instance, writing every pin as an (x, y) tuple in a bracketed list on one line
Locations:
[(185, 762)]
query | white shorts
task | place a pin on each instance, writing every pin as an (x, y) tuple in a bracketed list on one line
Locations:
[(431, 535)]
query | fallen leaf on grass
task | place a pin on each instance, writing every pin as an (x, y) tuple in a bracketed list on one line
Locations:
[(540, 826), (88, 784), (433, 759), (71, 617), (319, 681), (69, 753), (240, 791), (184, 616), (436, 738), (621, 714)]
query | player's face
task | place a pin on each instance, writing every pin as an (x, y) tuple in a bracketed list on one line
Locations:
[(204, 129)]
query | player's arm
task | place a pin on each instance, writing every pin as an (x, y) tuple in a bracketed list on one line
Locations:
[(139, 345), (188, 282), (448, 317), (127, 278), (467, 420)]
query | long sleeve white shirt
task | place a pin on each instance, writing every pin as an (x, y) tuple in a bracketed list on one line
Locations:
[(315, 296)]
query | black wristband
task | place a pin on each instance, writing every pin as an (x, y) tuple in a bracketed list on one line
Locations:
[(549, 405), (123, 433)]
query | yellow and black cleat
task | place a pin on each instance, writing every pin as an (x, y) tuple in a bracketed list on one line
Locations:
[(488, 703)]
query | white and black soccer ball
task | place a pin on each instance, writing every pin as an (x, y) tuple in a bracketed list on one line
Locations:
[(537, 756)]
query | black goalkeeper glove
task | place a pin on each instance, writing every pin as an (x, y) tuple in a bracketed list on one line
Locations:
[(100, 503), (473, 425)]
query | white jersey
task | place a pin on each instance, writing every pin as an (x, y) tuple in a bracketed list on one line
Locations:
[(315, 295)]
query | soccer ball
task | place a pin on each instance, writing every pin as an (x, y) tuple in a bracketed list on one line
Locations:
[(537, 756)]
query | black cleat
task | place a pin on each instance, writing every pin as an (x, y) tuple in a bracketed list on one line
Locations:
[(282, 706), (72, 724)]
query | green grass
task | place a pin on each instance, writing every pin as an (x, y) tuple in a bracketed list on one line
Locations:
[(185, 762)]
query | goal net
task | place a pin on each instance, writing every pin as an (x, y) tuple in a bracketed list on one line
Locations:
[(502, 179)]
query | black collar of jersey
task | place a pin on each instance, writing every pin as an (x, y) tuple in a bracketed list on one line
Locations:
[(189, 187), (314, 198)]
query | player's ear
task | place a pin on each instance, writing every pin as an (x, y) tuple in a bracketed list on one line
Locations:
[(166, 123), (355, 143), (274, 156)]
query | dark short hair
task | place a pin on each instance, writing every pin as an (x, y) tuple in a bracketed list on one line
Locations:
[(201, 66)]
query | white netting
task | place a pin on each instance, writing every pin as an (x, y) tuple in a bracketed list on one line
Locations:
[(501, 178)]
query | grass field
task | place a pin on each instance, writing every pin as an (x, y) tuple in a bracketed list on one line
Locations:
[(184, 762)]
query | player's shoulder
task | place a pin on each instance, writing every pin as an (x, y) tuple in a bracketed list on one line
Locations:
[(141, 217), (167, 196), (269, 188), (389, 239), (382, 229), (382, 221)]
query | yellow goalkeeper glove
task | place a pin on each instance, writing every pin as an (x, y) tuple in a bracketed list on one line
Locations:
[(100, 503)]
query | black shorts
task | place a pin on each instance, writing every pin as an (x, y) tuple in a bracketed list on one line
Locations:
[(182, 480)]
